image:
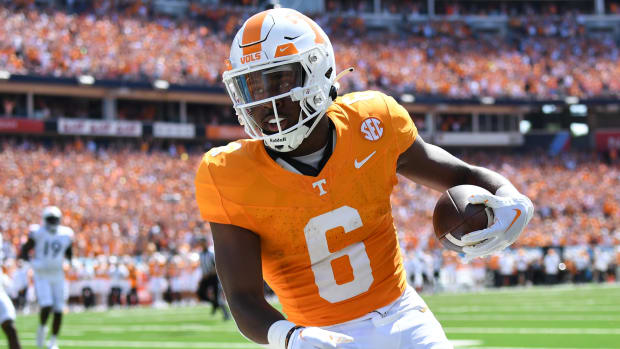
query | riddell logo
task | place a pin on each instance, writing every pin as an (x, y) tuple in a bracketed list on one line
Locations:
[(283, 139), (250, 58)]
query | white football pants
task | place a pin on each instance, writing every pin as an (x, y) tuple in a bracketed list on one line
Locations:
[(407, 323), (50, 291), (7, 310)]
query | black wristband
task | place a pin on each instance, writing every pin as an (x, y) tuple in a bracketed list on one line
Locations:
[(289, 334)]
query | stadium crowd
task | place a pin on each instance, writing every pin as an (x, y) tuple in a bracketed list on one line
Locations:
[(442, 57), (133, 210), (137, 225), (465, 7), (573, 237)]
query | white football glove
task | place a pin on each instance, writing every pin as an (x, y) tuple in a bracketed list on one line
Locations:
[(317, 338), (512, 212)]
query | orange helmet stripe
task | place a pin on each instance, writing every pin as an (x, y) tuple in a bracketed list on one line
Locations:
[(294, 16), (252, 33), (318, 38)]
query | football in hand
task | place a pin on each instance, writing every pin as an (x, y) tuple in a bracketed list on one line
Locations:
[(454, 216)]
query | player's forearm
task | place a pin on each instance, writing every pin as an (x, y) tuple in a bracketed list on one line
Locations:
[(487, 179), (253, 316), (434, 167)]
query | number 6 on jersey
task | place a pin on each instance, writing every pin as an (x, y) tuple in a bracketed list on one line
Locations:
[(321, 259)]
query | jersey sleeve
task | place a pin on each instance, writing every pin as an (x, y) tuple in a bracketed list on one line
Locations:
[(208, 196), (70, 234), (404, 129)]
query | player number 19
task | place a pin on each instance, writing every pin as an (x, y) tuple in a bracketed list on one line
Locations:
[(320, 257), (54, 246)]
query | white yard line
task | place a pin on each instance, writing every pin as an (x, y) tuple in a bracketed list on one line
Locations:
[(149, 344), (64, 333), (469, 344), (495, 330), (188, 310), (141, 328), (465, 343), (131, 318), (532, 300), (563, 318), (462, 343), (478, 347), (527, 308), (156, 328), (524, 291)]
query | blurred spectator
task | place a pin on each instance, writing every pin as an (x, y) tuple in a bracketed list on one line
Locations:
[(582, 265), (552, 262), (602, 261), (522, 267), (118, 279), (506, 267), (9, 106)]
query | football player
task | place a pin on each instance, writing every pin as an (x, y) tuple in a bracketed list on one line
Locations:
[(305, 204), (7, 312), (52, 242)]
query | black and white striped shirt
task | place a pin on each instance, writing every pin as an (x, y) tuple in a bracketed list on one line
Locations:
[(207, 262)]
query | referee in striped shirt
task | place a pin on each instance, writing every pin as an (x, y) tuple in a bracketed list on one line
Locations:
[(209, 287)]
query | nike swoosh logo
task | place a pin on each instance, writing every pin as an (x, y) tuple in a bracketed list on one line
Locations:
[(515, 219), (282, 49), (359, 164)]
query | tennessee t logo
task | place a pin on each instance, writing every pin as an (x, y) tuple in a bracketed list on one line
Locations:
[(319, 184)]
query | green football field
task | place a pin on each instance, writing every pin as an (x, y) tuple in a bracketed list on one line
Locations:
[(560, 317)]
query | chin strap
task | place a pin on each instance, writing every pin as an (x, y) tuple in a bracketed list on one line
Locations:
[(343, 73), (333, 91)]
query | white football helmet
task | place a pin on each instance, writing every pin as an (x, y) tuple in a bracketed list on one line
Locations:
[(280, 55), (51, 217)]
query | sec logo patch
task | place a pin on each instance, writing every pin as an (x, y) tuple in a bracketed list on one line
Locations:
[(372, 129)]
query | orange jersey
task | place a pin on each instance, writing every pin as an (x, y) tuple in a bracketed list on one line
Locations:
[(328, 243)]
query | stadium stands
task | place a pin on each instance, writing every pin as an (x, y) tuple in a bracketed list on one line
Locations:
[(139, 204), (457, 62), (576, 214)]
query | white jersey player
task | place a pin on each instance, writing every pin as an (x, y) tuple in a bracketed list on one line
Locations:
[(7, 312), (52, 244)]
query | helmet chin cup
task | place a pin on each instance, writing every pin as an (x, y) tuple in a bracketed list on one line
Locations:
[(288, 141)]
